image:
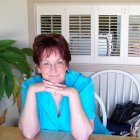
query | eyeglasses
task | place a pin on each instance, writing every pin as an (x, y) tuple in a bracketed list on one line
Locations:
[(58, 64)]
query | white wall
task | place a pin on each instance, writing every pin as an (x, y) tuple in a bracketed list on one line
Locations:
[(13, 25), (14, 21)]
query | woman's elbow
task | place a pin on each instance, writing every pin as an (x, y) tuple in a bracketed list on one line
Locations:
[(82, 136), (26, 133)]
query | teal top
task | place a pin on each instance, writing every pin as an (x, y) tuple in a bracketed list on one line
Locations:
[(46, 108)]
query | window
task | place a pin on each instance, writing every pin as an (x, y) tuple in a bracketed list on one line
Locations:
[(80, 34), (109, 35), (49, 19), (50, 24), (133, 35), (97, 34)]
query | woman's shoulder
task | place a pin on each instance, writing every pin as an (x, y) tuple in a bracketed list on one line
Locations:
[(74, 73), (32, 80), (77, 77)]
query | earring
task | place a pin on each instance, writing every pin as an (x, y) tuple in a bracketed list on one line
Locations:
[(67, 70), (35, 70)]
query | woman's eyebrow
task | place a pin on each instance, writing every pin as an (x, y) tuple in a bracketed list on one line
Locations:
[(56, 60)]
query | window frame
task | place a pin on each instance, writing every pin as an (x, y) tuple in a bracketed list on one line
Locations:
[(95, 10), (132, 10)]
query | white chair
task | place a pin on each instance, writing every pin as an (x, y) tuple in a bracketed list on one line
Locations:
[(102, 107), (116, 86)]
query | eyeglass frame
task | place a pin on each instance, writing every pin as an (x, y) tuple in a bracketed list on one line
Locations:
[(48, 65)]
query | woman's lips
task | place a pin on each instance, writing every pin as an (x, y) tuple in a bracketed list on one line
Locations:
[(53, 75)]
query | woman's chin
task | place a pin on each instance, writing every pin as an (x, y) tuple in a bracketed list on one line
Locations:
[(55, 81)]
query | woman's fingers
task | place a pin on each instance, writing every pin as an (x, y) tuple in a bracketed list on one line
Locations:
[(51, 85), (60, 85), (55, 88)]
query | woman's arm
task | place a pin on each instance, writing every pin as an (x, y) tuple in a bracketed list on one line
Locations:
[(28, 123), (81, 126)]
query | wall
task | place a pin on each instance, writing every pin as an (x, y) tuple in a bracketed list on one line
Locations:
[(14, 22), (13, 25)]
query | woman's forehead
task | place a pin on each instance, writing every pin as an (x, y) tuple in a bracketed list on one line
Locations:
[(51, 53)]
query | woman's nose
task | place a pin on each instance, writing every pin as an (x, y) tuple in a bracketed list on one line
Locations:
[(53, 66)]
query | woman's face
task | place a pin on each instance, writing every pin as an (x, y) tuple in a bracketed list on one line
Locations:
[(53, 68)]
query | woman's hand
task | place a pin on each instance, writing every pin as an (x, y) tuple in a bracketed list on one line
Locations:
[(52, 88), (58, 88), (37, 87)]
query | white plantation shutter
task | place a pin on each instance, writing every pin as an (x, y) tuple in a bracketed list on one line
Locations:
[(50, 19), (50, 24), (133, 43), (80, 34), (109, 35), (74, 24), (79, 27), (97, 34), (134, 36)]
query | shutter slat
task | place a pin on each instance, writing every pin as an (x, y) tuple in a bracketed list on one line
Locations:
[(109, 35), (80, 34), (134, 36), (50, 24)]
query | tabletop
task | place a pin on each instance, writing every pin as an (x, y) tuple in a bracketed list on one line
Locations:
[(13, 133)]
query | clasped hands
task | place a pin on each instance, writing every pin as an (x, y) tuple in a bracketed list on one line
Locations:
[(53, 88)]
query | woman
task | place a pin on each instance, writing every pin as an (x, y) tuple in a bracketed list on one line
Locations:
[(58, 98)]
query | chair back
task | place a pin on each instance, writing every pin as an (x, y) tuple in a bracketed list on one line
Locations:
[(116, 86), (100, 105)]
